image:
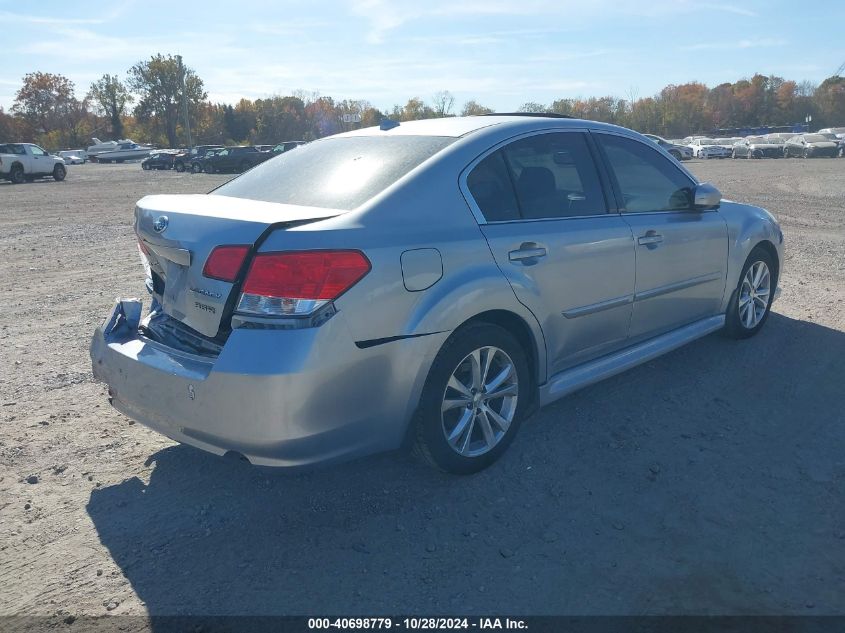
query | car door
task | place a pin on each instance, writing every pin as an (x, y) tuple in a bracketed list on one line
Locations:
[(39, 162), (542, 208), (681, 252)]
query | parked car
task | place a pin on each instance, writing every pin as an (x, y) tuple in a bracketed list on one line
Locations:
[(286, 146), (159, 159), (73, 157), (708, 148), (839, 132), (397, 283), (679, 152), (22, 162), (235, 159), (839, 140), (199, 163), (185, 159), (757, 147), (810, 146)]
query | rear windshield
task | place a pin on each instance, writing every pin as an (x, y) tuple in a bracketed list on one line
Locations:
[(335, 173)]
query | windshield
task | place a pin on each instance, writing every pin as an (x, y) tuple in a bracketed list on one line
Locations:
[(335, 173), (756, 139), (814, 138)]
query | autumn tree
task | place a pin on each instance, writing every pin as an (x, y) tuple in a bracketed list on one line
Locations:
[(157, 82), (45, 101), (531, 106), (473, 108), (110, 97)]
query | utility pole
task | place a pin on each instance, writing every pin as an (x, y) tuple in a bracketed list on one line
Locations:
[(184, 101)]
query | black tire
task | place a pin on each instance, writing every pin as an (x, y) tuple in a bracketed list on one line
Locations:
[(180, 167), (430, 441), (16, 175), (208, 168), (734, 327), (59, 172), (675, 154), (196, 168), (145, 166)]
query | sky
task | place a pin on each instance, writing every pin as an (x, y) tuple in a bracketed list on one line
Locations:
[(500, 53)]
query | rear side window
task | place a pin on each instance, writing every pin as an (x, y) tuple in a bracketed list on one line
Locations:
[(335, 173), (490, 186), (554, 176), (647, 180)]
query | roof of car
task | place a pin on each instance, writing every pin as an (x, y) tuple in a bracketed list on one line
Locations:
[(461, 126)]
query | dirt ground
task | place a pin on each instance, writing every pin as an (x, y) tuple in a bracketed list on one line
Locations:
[(708, 481)]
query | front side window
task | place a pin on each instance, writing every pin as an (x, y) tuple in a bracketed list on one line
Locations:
[(37, 151), (335, 173), (646, 179)]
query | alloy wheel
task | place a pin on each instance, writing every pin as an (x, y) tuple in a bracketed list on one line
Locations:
[(754, 295), (479, 402)]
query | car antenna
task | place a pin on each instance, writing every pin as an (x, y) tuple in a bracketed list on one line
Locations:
[(387, 124)]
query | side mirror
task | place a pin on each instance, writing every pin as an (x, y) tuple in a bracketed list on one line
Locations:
[(706, 196)]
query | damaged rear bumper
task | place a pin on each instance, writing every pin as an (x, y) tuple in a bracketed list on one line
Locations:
[(278, 397)]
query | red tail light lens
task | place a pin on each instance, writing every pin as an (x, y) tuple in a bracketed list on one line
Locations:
[(298, 283), (225, 262)]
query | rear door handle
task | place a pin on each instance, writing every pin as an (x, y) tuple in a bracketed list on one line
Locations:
[(526, 253), (649, 238)]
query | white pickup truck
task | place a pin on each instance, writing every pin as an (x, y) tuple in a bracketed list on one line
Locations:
[(21, 162)]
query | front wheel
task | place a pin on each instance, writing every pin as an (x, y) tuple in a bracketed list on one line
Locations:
[(752, 300), (180, 167), (209, 169), (473, 401), (17, 176), (59, 173)]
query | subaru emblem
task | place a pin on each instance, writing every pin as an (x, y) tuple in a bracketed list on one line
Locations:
[(160, 224)]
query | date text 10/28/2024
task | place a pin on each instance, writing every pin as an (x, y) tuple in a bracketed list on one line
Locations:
[(418, 623)]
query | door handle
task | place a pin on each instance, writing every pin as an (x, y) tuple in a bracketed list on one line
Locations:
[(526, 252), (649, 238)]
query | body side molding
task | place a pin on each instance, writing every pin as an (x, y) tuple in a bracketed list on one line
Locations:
[(573, 379)]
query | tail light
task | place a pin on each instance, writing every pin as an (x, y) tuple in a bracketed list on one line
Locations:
[(298, 283), (225, 262)]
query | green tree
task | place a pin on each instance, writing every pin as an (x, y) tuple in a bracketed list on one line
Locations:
[(157, 82), (110, 97)]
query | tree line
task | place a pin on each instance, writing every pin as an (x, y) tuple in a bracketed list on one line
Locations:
[(146, 105)]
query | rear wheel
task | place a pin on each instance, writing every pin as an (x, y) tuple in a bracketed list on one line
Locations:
[(180, 167), (17, 176), (196, 168), (473, 401), (752, 300), (59, 172), (209, 168)]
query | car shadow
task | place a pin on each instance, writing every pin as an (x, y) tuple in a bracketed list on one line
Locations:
[(708, 480)]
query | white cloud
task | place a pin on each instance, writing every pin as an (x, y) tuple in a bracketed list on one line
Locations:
[(765, 42)]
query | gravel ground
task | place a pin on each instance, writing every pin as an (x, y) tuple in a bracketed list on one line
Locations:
[(707, 481)]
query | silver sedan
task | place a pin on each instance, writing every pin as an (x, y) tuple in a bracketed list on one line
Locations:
[(430, 282)]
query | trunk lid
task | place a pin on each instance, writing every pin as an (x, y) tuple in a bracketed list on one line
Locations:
[(178, 233)]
